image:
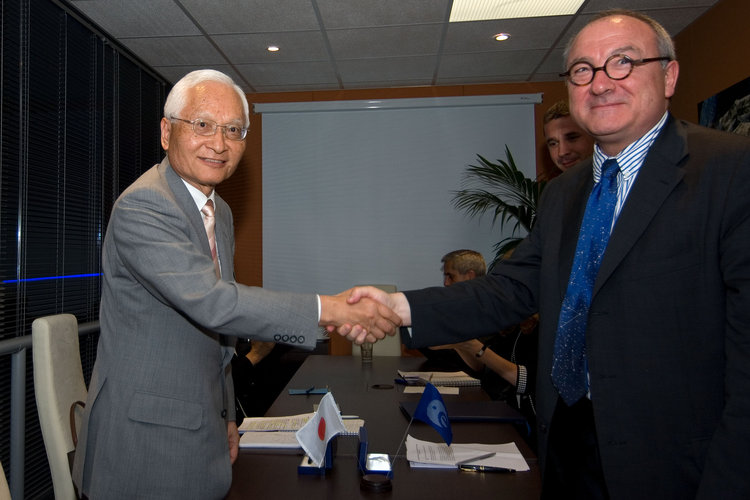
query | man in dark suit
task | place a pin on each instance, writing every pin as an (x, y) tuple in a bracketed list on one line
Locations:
[(159, 419), (665, 412)]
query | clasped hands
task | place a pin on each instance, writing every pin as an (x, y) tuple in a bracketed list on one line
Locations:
[(364, 314)]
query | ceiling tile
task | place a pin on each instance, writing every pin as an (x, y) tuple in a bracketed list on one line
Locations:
[(177, 51), (417, 69), (351, 44), (135, 18), (387, 41), (368, 13), (497, 64), (251, 48), (532, 33), (301, 73), (252, 16)]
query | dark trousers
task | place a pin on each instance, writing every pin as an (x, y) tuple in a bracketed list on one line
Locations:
[(573, 467)]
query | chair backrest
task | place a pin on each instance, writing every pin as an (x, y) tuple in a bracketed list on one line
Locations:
[(4, 491), (58, 383)]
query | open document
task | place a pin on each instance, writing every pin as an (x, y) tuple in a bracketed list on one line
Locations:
[(268, 424), (440, 455), (279, 432)]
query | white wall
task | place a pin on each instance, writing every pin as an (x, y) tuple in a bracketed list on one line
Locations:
[(361, 192)]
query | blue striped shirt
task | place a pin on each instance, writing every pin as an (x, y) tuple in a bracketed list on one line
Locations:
[(630, 161)]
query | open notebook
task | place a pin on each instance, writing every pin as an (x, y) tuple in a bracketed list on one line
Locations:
[(279, 432)]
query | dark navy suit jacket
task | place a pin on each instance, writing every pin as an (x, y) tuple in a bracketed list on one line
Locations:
[(668, 337)]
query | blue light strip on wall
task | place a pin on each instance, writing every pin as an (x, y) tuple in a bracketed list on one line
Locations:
[(9, 282)]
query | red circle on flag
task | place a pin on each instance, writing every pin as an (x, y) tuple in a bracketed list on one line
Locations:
[(322, 429)]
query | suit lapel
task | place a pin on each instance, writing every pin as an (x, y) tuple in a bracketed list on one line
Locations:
[(573, 210), (225, 242), (225, 239), (186, 202), (656, 179)]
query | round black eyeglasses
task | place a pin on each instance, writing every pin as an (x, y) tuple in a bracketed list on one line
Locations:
[(616, 67)]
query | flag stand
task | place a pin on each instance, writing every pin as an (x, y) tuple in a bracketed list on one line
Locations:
[(372, 463), (375, 467), (308, 467)]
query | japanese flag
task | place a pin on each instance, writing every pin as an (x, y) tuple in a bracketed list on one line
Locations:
[(315, 434)]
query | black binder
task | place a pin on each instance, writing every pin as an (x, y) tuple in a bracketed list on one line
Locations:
[(472, 411)]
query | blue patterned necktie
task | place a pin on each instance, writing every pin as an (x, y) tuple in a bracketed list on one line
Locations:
[(569, 366)]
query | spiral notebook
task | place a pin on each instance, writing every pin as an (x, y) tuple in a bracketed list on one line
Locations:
[(278, 433), (451, 379)]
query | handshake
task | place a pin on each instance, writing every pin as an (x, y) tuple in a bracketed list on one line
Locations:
[(364, 314)]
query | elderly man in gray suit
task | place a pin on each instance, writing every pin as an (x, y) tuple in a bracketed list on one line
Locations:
[(159, 419)]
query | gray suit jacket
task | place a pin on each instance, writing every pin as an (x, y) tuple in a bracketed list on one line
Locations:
[(160, 396), (668, 338)]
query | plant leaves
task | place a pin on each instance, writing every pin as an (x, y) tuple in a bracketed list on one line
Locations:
[(503, 191)]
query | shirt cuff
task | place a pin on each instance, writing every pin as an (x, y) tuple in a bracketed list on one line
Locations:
[(319, 307), (521, 379)]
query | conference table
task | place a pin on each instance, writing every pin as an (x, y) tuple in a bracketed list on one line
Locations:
[(368, 390)]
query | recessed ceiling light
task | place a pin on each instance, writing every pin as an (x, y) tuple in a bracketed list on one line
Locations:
[(501, 37), (272, 48), (485, 10)]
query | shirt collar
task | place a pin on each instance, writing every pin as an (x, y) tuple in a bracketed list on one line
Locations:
[(198, 197), (630, 159)]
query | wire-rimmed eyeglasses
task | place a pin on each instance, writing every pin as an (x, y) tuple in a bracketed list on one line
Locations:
[(616, 67), (204, 127)]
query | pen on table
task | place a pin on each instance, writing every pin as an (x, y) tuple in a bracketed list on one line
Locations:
[(484, 468), (474, 459)]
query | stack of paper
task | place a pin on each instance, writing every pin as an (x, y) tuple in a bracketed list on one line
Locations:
[(424, 454), (279, 432)]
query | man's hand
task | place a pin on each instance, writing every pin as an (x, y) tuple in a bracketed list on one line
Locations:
[(468, 346), (467, 350), (233, 437), (395, 301), (375, 320), (259, 350)]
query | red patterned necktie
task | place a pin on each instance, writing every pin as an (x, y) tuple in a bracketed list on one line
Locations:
[(209, 222)]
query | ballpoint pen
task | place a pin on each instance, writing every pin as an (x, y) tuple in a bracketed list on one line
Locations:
[(310, 390), (484, 468), (474, 459)]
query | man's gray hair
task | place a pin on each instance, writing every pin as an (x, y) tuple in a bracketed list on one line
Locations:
[(178, 96), (464, 261), (664, 42)]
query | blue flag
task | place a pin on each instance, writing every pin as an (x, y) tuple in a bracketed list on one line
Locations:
[(431, 410)]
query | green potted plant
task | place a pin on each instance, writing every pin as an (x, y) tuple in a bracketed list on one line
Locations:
[(504, 191)]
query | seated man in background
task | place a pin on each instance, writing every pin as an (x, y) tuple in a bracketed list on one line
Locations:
[(260, 371), (462, 265), (458, 265), (506, 362), (567, 143)]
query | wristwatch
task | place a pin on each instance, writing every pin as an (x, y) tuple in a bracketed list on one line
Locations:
[(480, 352)]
